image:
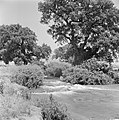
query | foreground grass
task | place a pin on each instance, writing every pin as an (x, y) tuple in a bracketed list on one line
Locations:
[(15, 104), (100, 103), (85, 104)]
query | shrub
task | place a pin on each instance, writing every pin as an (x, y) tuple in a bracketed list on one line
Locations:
[(95, 65), (114, 75), (41, 64), (55, 68), (18, 61), (30, 76), (76, 75), (52, 110)]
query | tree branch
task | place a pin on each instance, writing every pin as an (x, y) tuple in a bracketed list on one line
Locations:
[(59, 15), (64, 36)]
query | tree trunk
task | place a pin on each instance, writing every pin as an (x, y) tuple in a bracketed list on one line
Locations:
[(78, 57), (81, 56)]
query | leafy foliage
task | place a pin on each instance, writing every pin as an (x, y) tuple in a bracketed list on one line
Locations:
[(64, 53), (19, 44), (30, 76), (16, 41), (55, 68), (41, 64), (76, 75), (18, 61), (95, 65), (90, 26), (52, 110), (43, 51), (114, 75)]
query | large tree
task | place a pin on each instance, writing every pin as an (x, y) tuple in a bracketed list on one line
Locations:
[(19, 43), (16, 41), (90, 26)]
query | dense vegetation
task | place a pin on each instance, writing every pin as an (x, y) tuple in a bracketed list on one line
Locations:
[(30, 76), (90, 27), (89, 33), (91, 72), (86, 29), (55, 68), (19, 44), (16, 101), (52, 110)]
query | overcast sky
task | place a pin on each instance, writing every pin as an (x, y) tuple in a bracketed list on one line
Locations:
[(25, 12)]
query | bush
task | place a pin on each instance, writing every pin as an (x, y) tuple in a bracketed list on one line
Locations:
[(18, 61), (114, 75), (41, 64), (55, 68), (76, 75), (95, 65), (30, 76), (52, 110)]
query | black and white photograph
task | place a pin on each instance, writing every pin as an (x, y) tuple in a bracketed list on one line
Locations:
[(59, 59)]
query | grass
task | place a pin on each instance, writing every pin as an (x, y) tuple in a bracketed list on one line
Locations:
[(53, 110), (12, 102), (13, 107), (87, 104), (82, 105)]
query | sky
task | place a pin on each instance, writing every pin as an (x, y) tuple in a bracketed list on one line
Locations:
[(25, 13)]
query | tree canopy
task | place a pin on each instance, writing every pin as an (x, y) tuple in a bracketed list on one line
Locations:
[(90, 26), (43, 51), (64, 53), (18, 43)]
